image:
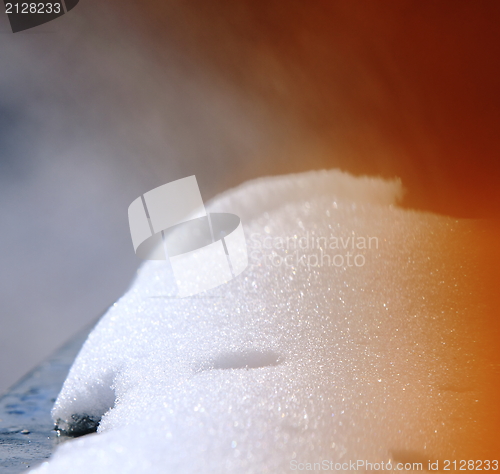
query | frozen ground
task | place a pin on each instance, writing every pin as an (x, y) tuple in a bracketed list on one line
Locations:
[(375, 358)]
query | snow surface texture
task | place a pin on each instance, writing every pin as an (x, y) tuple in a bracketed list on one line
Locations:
[(297, 362)]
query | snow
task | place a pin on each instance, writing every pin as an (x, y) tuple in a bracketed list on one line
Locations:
[(301, 358)]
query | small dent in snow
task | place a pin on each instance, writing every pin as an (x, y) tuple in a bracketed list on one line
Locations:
[(247, 359)]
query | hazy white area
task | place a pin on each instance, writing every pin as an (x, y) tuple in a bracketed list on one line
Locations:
[(88, 122)]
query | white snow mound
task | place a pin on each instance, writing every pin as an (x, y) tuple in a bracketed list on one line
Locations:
[(344, 340)]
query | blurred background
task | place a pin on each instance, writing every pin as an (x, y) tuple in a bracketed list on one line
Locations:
[(118, 97)]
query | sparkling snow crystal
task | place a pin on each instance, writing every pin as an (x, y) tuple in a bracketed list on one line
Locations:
[(348, 337)]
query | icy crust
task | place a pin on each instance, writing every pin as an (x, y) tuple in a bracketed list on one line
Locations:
[(255, 197), (292, 362)]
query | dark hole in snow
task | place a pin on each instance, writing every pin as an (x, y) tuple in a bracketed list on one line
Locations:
[(79, 426)]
